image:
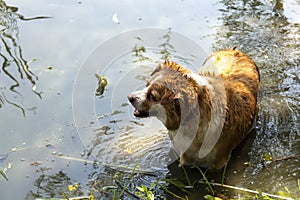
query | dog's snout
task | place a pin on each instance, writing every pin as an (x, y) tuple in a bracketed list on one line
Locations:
[(136, 97), (131, 98)]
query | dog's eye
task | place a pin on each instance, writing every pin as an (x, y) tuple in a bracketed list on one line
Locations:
[(151, 96)]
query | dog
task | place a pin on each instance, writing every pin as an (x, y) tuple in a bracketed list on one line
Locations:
[(208, 113)]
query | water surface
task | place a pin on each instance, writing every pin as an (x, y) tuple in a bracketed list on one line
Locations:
[(40, 58)]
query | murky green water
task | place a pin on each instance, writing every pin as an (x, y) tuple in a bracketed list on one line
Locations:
[(40, 148)]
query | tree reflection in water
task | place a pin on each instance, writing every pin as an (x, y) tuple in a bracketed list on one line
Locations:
[(14, 67)]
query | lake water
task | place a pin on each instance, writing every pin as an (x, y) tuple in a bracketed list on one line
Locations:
[(55, 132)]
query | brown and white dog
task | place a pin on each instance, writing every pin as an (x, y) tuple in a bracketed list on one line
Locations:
[(207, 114)]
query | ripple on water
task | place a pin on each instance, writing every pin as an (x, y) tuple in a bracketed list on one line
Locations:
[(146, 148), (278, 135), (122, 139)]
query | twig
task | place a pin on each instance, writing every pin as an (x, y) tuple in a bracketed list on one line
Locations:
[(117, 167), (246, 190), (25, 148), (286, 158)]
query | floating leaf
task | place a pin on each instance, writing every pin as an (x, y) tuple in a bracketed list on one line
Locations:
[(9, 165), (73, 187), (36, 163), (102, 82), (3, 174), (115, 18), (128, 150), (33, 88)]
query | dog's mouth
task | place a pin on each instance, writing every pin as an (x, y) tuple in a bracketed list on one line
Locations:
[(141, 113)]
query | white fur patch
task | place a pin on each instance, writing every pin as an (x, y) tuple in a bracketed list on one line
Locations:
[(200, 80), (156, 77), (141, 97)]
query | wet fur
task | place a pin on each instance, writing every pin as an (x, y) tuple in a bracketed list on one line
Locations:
[(173, 89)]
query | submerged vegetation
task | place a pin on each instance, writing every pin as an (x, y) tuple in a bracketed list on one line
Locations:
[(126, 186), (148, 193)]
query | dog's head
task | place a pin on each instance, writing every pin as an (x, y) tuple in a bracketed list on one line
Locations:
[(163, 95)]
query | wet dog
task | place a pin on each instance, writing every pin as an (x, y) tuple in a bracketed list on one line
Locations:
[(207, 114)]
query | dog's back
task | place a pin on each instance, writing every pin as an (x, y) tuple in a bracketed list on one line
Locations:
[(233, 65), (240, 77)]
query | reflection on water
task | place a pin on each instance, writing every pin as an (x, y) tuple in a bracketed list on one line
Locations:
[(261, 29), (167, 47), (166, 50), (50, 186), (14, 66)]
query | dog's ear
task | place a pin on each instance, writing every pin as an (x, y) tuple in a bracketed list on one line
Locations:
[(168, 98), (157, 69)]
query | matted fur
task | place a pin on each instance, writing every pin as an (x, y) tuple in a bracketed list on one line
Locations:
[(185, 103)]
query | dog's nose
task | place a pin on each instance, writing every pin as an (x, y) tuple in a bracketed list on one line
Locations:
[(131, 98)]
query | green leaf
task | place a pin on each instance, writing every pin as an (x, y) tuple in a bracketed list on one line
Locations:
[(140, 189), (150, 195), (3, 174), (209, 197), (144, 193), (145, 189)]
